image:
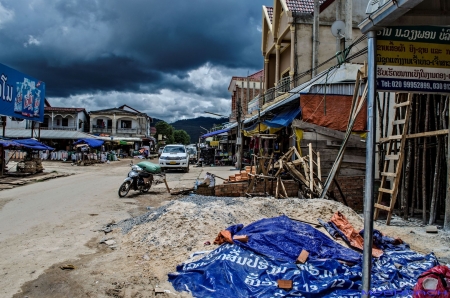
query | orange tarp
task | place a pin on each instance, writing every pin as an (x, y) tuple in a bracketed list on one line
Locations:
[(331, 111), (352, 235), (224, 236)]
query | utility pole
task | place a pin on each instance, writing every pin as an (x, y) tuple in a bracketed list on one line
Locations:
[(315, 55), (239, 137)]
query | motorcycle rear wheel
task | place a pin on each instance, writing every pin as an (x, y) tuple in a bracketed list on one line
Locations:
[(124, 189)]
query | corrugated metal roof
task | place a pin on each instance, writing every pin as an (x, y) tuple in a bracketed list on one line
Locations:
[(48, 134), (335, 88)]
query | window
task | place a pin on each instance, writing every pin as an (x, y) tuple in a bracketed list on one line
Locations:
[(110, 123), (58, 122), (80, 124), (45, 123), (126, 124), (65, 122)]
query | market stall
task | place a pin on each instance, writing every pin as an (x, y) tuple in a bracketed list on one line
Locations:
[(30, 158)]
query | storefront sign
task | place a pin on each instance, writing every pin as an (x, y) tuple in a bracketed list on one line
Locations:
[(414, 59), (21, 96)]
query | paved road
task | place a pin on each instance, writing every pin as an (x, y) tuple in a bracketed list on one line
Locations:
[(50, 222)]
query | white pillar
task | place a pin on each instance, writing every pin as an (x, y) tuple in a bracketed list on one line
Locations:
[(266, 74), (348, 22), (277, 63)]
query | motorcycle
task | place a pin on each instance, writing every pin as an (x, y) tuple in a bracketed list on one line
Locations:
[(137, 179)]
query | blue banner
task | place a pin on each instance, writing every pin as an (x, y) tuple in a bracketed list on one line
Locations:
[(21, 96)]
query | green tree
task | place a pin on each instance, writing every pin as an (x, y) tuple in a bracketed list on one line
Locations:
[(181, 137), (166, 130)]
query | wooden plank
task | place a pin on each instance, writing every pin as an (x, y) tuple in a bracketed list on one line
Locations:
[(392, 157), (397, 122), (353, 140), (379, 206), (390, 138), (402, 104), (311, 168), (390, 191), (387, 174), (284, 189), (167, 185), (428, 134)]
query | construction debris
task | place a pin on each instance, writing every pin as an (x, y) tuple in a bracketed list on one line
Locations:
[(305, 170), (431, 229)]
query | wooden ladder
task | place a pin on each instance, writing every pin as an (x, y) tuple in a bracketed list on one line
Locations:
[(396, 143)]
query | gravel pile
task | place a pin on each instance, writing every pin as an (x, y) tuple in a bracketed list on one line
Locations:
[(170, 234), (154, 213)]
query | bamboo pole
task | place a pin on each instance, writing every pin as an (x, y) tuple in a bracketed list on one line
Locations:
[(380, 123), (415, 195), (406, 177), (424, 163), (311, 168), (447, 191), (436, 165)]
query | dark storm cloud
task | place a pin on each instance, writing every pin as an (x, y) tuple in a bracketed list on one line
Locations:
[(89, 48)]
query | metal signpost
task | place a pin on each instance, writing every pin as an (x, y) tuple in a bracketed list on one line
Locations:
[(401, 59)]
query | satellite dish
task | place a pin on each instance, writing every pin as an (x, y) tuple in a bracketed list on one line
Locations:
[(338, 29)]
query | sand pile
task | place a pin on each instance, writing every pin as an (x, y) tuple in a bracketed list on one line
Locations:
[(167, 236)]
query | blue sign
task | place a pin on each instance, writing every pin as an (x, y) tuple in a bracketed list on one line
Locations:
[(21, 96)]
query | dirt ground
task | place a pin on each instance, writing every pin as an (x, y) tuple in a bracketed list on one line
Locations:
[(136, 264)]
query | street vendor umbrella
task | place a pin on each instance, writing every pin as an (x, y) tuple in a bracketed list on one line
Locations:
[(91, 142), (9, 144), (33, 144)]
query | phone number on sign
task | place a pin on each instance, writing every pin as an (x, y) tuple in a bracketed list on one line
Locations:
[(435, 86)]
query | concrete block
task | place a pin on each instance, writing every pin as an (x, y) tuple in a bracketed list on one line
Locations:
[(431, 229), (241, 238), (284, 284), (303, 256)]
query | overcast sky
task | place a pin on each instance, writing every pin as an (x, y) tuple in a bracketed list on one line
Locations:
[(172, 59)]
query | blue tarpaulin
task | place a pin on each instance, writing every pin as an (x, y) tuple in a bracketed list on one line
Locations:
[(33, 144), (214, 133), (91, 142), (7, 144), (283, 119), (284, 239), (252, 269)]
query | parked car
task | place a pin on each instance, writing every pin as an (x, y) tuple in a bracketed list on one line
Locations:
[(174, 157), (192, 151), (160, 150)]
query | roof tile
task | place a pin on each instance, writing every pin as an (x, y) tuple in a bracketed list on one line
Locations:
[(270, 13), (302, 6)]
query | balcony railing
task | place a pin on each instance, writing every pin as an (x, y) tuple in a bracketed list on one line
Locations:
[(101, 130), (70, 128), (127, 130), (269, 96), (283, 86)]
